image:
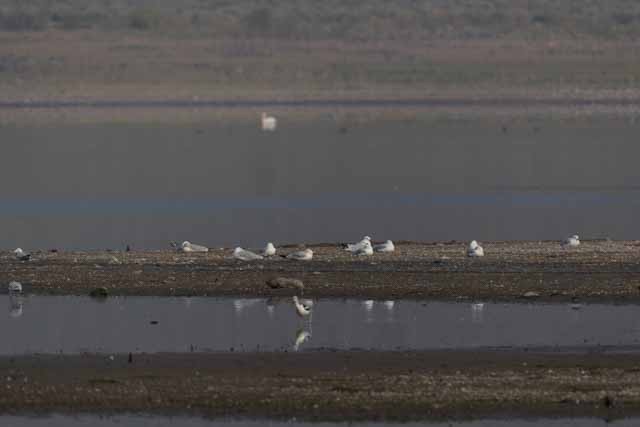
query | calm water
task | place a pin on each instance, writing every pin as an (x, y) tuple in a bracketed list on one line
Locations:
[(48, 324), (160, 421), (104, 186)]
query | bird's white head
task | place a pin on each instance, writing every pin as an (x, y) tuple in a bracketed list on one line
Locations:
[(186, 243), (367, 238), (473, 244), (576, 237), (237, 250), (18, 251)]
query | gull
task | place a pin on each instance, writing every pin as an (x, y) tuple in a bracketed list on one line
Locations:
[(571, 242), (366, 249), (302, 336), (268, 122), (191, 247), (15, 287), (245, 255), (475, 249), (302, 309), (269, 250), (387, 246), (368, 304), (305, 255), (353, 247), (22, 255)]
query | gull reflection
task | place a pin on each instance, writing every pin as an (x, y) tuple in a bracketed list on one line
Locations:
[(15, 305), (477, 312), (239, 305), (302, 336), (368, 307)]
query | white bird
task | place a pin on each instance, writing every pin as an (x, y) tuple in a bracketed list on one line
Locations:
[(302, 336), (269, 250), (15, 287), (353, 247), (22, 255), (387, 246), (302, 309), (366, 249), (191, 247), (269, 123), (245, 255), (475, 249), (306, 255), (571, 242), (368, 304)]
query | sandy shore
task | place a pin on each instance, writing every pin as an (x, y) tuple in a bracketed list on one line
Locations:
[(328, 385), (596, 271)]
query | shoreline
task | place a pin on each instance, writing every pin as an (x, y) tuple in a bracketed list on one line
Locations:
[(597, 271)]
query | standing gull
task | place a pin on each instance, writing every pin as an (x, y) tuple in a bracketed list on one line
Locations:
[(387, 246), (475, 249), (353, 247), (245, 255), (22, 255), (15, 287), (303, 310), (305, 255), (269, 250), (571, 242)]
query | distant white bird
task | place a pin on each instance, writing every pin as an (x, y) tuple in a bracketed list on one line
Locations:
[(15, 287), (302, 309), (245, 255), (365, 249), (387, 246), (22, 255), (191, 247), (353, 247), (368, 304), (305, 255), (269, 123), (477, 312), (269, 250), (571, 242), (475, 249)]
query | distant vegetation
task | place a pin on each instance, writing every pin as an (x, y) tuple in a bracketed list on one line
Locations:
[(335, 19)]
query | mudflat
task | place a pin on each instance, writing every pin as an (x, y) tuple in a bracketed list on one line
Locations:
[(602, 271), (329, 385)]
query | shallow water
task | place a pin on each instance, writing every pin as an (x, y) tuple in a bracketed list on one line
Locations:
[(51, 324), (98, 186), (139, 420)]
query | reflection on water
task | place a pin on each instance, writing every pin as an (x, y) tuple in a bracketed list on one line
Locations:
[(49, 324), (161, 421)]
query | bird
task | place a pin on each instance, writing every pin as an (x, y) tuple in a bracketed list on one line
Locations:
[(305, 255), (303, 310), (269, 250), (365, 249), (191, 247), (475, 249), (387, 246), (245, 255), (571, 242), (15, 287), (353, 247), (22, 255), (269, 123)]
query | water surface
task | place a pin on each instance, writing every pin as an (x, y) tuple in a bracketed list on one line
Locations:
[(53, 324)]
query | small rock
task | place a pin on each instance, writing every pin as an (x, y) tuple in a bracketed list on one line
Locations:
[(101, 292), (531, 294), (284, 282)]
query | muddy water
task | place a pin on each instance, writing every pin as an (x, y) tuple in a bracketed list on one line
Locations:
[(47, 324), (160, 421), (105, 186)]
